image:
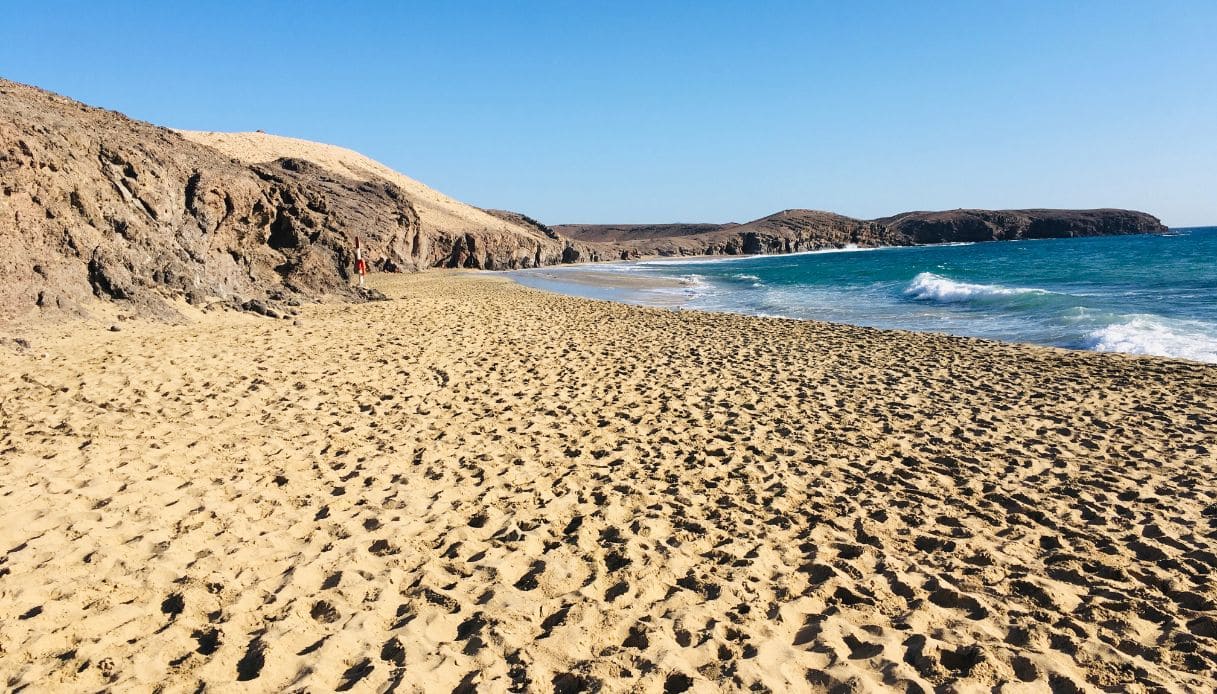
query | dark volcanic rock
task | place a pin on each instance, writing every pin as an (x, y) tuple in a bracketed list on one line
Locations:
[(524, 221), (1006, 225), (609, 233), (804, 230), (95, 204)]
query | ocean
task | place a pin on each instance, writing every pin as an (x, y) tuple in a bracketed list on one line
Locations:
[(1149, 294)]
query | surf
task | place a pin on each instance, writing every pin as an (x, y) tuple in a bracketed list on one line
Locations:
[(1148, 294), (1154, 335), (928, 286)]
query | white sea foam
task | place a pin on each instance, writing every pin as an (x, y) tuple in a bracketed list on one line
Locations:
[(754, 281), (1147, 334), (930, 287), (688, 287), (706, 260), (847, 248)]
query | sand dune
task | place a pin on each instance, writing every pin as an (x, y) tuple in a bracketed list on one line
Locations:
[(436, 210), (483, 487)]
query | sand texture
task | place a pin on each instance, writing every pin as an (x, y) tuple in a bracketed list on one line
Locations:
[(480, 487), (436, 210)]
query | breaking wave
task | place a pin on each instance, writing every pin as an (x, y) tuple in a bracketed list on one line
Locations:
[(930, 287), (1148, 334)]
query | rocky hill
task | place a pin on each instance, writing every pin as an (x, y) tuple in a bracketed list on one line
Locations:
[(630, 233), (95, 204), (453, 234), (803, 230)]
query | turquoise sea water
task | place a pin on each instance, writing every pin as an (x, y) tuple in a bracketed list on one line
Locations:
[(1137, 294)]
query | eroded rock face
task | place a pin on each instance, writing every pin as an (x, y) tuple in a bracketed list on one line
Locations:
[(1005, 225), (93, 203), (805, 230)]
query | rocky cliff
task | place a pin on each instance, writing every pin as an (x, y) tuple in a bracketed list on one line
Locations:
[(95, 204), (632, 233), (453, 234), (1006, 225), (804, 230)]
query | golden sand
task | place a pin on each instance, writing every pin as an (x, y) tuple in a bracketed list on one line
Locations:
[(486, 487), (435, 210)]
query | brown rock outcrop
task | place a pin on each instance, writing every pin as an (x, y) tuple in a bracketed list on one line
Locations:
[(1006, 225), (93, 203), (610, 233), (804, 230)]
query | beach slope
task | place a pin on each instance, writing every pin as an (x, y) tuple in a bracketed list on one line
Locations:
[(482, 485)]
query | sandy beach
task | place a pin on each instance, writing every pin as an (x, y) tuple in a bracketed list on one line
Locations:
[(481, 487)]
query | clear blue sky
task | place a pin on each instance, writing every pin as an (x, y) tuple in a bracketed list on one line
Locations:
[(656, 111)]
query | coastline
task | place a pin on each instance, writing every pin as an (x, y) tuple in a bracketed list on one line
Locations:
[(1056, 294), (597, 283), (480, 483)]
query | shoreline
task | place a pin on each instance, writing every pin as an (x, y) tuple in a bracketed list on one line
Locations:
[(727, 257), (629, 292), (911, 291), (484, 483)]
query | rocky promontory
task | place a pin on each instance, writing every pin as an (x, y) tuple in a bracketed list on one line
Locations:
[(806, 230)]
